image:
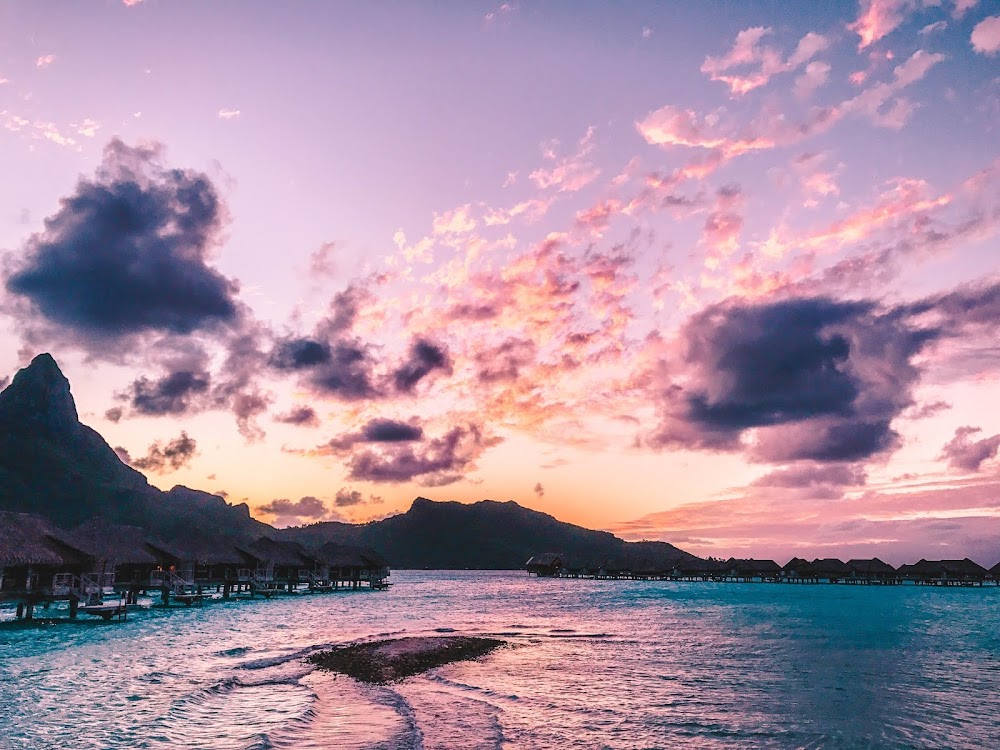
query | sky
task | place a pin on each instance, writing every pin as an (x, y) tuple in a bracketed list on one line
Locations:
[(721, 274)]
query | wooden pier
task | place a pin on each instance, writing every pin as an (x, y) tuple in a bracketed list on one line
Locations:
[(870, 572)]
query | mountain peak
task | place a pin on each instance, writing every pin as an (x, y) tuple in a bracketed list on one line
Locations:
[(38, 400)]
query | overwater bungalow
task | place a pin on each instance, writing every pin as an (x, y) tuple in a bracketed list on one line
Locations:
[(123, 557), (945, 572), (751, 570), (210, 563), (39, 564), (829, 569), (645, 564), (344, 565), (696, 569), (286, 564), (545, 564), (871, 571), (797, 570)]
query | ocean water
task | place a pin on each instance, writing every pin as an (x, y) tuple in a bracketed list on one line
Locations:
[(593, 664)]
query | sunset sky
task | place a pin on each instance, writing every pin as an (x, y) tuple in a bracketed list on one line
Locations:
[(722, 274)]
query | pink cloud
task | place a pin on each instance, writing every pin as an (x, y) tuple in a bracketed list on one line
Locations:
[(986, 36), (963, 6), (966, 454), (673, 126), (814, 76), (456, 221), (723, 226), (569, 173), (766, 62), (780, 519), (880, 17)]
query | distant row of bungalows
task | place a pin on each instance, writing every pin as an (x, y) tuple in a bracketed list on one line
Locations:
[(100, 568), (829, 570)]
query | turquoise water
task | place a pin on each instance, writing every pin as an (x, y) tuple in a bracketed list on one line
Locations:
[(594, 664)]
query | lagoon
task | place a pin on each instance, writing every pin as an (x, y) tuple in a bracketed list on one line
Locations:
[(592, 664)]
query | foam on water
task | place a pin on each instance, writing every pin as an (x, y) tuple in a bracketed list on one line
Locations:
[(593, 664)]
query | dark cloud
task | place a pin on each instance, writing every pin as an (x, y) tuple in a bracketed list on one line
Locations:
[(306, 507), (128, 252), (377, 430), (816, 379), (812, 475), (435, 462), (299, 354), (344, 310), (162, 458), (539, 489), (114, 414), (424, 358), (965, 454), (303, 416), (929, 409), (344, 369), (821, 439), (390, 431), (246, 405), (173, 393), (474, 312), (332, 361), (346, 498), (808, 378), (348, 374)]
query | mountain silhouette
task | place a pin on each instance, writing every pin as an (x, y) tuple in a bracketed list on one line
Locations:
[(53, 465), (486, 535), (56, 467)]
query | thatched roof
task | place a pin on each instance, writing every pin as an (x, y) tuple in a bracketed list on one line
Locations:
[(995, 570), (939, 568), (751, 566), (213, 552), (828, 566), (964, 567), (348, 556), (27, 539), (695, 566), (119, 545), (796, 565), (544, 560), (871, 567), (290, 554)]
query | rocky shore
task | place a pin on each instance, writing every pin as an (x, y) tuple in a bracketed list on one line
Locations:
[(381, 662)]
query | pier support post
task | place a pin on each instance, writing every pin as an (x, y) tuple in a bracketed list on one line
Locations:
[(20, 610), (29, 611), (166, 597), (74, 602)]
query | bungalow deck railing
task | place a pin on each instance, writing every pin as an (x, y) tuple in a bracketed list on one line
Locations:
[(84, 586), (168, 579)]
